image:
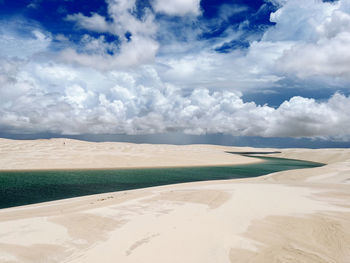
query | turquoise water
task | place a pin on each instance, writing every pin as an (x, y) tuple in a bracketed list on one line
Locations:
[(28, 187)]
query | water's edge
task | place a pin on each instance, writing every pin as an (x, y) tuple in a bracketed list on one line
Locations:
[(29, 187)]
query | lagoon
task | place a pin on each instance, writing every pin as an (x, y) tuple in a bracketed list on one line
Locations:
[(28, 187)]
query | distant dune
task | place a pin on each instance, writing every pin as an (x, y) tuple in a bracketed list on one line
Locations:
[(290, 216), (70, 154)]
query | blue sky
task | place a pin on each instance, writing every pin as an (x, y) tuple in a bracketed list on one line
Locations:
[(255, 69)]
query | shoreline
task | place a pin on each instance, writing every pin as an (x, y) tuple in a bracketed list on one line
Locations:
[(159, 167), (132, 168)]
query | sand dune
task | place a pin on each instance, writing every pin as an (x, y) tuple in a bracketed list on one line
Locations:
[(71, 154), (291, 216), (327, 156)]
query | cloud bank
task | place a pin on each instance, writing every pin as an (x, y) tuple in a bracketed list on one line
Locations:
[(84, 101)]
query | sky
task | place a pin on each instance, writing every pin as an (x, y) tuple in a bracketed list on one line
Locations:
[(243, 69)]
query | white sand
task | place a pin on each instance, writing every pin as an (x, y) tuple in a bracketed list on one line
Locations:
[(68, 154), (291, 216)]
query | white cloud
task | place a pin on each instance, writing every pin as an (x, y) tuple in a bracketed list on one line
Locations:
[(61, 37), (177, 7), (34, 4), (320, 34), (138, 51), (329, 57), (140, 48), (302, 117), (95, 22), (61, 99), (122, 20), (12, 44)]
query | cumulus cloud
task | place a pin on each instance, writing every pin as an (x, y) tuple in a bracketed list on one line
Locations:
[(86, 101), (329, 57), (304, 117), (177, 7), (320, 34)]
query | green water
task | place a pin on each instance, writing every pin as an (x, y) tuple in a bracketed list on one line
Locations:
[(28, 187)]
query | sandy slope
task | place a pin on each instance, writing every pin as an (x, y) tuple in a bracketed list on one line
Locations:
[(327, 156), (292, 216)]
